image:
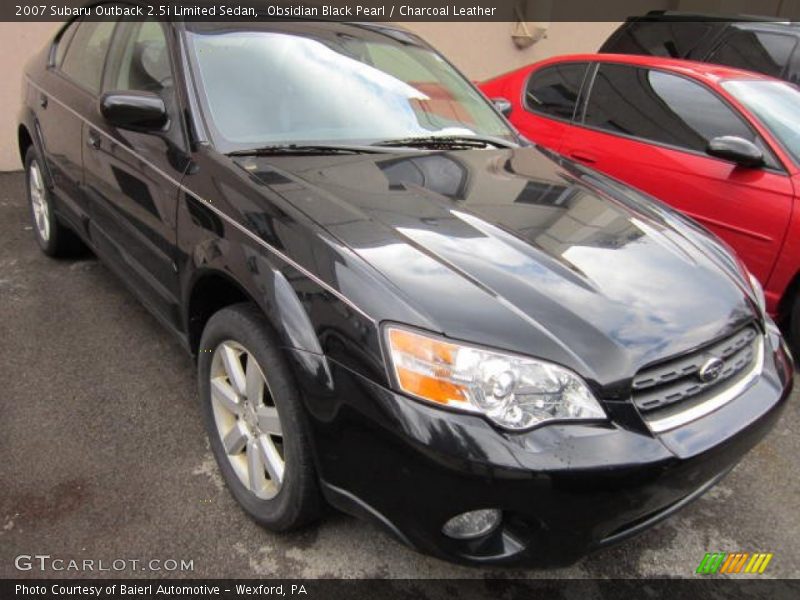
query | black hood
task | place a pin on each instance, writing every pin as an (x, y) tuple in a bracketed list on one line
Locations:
[(523, 251)]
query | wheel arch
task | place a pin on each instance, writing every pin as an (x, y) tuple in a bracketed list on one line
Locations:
[(787, 299), (213, 289), (24, 141), (29, 135), (210, 291)]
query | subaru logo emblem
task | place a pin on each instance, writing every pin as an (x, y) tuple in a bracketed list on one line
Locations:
[(711, 369)]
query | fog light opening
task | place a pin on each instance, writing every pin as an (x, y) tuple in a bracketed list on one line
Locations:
[(472, 524)]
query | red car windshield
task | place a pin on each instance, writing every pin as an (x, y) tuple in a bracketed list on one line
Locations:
[(776, 104)]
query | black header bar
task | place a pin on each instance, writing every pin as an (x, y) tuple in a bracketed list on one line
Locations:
[(390, 589), (389, 10)]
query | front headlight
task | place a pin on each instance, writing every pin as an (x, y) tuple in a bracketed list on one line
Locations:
[(758, 291), (513, 391)]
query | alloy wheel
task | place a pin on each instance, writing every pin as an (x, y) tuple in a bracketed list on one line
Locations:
[(247, 419), (41, 208)]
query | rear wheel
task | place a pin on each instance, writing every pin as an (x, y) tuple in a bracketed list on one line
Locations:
[(255, 421), (53, 237)]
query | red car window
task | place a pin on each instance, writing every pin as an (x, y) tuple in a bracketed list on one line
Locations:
[(661, 107), (554, 91)]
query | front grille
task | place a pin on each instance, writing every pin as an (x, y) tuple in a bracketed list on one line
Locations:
[(676, 381)]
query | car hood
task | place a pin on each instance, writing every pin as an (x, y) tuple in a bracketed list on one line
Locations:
[(524, 251)]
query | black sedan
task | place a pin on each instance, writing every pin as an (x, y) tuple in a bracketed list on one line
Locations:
[(397, 305)]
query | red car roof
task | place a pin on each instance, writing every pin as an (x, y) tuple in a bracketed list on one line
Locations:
[(699, 70)]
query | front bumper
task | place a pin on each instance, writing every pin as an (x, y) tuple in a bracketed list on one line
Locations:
[(564, 489)]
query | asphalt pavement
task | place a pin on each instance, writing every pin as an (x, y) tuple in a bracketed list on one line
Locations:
[(103, 455)]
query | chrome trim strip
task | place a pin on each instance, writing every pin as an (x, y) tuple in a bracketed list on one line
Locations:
[(213, 208), (700, 410)]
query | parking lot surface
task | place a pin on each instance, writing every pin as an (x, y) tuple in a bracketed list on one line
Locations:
[(104, 455)]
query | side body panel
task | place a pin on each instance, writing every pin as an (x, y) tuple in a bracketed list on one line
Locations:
[(783, 284), (58, 106), (133, 186)]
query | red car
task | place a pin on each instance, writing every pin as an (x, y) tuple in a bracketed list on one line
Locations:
[(720, 144)]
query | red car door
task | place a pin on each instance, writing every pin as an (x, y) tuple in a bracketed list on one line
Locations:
[(649, 128), (545, 102)]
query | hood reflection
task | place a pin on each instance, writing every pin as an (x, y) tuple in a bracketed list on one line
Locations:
[(467, 235)]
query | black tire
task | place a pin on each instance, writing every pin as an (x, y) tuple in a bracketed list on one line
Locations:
[(60, 241), (298, 500), (794, 329)]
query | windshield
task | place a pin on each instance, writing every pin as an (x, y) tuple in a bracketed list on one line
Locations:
[(332, 84), (777, 106)]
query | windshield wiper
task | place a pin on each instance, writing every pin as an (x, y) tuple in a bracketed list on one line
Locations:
[(303, 149), (448, 142)]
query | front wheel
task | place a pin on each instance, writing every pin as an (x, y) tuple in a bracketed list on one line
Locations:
[(255, 421)]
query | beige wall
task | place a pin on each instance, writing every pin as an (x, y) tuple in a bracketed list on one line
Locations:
[(18, 41), (481, 50)]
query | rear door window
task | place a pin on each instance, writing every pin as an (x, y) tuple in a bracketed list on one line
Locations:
[(554, 90), (755, 51), (63, 43), (86, 54), (662, 108)]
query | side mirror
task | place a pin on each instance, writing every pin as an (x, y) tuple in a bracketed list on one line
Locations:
[(739, 150), (138, 111), (503, 105)]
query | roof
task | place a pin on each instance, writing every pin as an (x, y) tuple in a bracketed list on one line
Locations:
[(675, 15)]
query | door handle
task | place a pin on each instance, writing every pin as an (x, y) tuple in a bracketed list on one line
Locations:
[(43, 101), (93, 140), (584, 158)]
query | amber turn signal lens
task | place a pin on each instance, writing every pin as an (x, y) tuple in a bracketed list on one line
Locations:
[(423, 367)]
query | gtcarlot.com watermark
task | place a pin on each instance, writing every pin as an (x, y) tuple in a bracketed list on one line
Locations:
[(48, 563)]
